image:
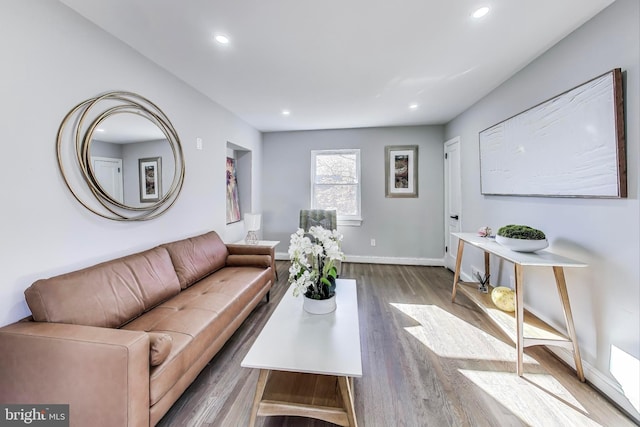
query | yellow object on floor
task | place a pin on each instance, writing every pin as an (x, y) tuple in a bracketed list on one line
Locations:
[(504, 298)]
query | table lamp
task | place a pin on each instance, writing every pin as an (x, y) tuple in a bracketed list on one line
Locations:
[(252, 224)]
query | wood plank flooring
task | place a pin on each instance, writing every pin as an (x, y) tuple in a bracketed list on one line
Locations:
[(426, 362)]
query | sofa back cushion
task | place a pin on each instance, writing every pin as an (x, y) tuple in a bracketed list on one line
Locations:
[(108, 294), (197, 257)]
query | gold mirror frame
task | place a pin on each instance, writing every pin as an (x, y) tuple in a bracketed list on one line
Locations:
[(82, 121)]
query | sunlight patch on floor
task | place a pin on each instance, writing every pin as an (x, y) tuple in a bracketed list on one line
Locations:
[(532, 398), (437, 330)]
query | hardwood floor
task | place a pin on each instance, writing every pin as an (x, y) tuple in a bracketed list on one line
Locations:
[(426, 362)]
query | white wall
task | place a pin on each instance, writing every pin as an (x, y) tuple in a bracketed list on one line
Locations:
[(601, 232), (407, 230), (52, 60)]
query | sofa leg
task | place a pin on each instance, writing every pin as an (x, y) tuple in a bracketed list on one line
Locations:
[(268, 295)]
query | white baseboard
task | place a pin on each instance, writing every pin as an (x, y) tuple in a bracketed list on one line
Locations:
[(431, 262), (600, 381)]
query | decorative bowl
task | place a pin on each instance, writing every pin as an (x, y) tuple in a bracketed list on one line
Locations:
[(522, 245)]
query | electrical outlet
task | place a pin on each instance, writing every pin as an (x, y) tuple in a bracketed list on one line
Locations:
[(373, 242), (199, 143)]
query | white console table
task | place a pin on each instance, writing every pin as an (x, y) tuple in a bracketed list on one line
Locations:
[(522, 327)]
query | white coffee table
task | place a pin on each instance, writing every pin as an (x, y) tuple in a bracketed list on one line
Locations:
[(307, 362)]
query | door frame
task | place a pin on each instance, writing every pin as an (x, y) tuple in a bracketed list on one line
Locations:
[(118, 163), (451, 251)]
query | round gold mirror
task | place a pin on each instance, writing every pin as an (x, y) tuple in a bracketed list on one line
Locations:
[(121, 157)]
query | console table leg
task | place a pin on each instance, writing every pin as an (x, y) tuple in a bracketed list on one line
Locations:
[(487, 267), (346, 390), (568, 318), (519, 319), (262, 382), (456, 275)]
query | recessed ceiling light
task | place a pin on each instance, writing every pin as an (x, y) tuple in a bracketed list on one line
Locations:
[(222, 39), (286, 112), (413, 106), (480, 12)]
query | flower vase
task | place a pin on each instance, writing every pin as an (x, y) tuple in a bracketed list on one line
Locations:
[(319, 306)]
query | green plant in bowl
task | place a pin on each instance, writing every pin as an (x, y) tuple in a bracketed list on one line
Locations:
[(521, 238), (513, 231)]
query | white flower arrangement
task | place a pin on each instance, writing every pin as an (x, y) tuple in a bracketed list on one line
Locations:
[(313, 256)]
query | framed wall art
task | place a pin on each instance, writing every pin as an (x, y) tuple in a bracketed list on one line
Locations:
[(572, 145), (401, 171), (233, 203), (150, 176)]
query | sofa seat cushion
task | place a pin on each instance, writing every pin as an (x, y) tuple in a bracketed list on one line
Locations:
[(107, 294), (229, 288), (195, 318), (197, 257)]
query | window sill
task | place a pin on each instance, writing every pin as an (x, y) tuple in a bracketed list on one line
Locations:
[(352, 222)]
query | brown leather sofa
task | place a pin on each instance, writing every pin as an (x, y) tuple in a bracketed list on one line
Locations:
[(121, 341)]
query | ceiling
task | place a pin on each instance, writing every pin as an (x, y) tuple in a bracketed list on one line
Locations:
[(340, 64), (128, 128)]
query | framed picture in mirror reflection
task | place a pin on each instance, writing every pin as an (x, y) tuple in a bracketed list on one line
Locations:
[(150, 174)]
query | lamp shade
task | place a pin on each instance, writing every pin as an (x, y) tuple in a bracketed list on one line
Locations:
[(252, 221)]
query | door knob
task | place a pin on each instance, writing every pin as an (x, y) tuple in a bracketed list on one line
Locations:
[(454, 217)]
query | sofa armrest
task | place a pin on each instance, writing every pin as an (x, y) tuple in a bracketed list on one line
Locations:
[(235, 249), (102, 373), (250, 255), (249, 261)]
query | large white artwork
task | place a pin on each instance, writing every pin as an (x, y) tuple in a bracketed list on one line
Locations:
[(569, 146)]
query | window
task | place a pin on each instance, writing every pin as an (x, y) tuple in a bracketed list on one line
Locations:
[(335, 183)]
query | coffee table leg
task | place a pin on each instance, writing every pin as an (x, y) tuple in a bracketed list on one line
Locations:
[(262, 382), (346, 390)]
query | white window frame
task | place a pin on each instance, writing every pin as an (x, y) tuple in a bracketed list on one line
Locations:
[(349, 220)]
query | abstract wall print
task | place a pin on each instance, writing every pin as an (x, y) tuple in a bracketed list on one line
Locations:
[(572, 145), (401, 171), (150, 177), (233, 205)]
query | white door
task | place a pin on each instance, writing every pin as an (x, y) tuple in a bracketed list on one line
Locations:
[(108, 172), (453, 200)]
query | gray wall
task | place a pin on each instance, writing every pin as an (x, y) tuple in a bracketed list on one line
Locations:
[(54, 60), (406, 230), (106, 149), (603, 233)]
